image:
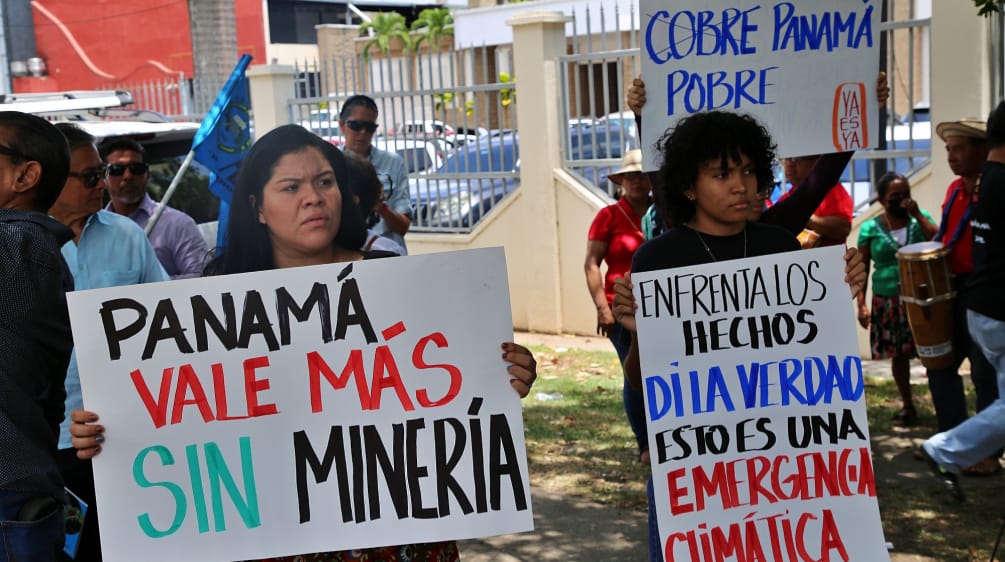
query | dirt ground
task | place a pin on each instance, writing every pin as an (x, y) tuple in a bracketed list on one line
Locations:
[(578, 530)]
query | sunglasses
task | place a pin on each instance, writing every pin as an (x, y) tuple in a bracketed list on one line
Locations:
[(135, 168), (90, 179), (12, 153), (368, 126)]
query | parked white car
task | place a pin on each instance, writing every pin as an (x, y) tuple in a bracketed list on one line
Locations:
[(420, 155)]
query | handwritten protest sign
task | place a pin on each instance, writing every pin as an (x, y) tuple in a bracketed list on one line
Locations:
[(301, 410), (806, 69), (754, 400)]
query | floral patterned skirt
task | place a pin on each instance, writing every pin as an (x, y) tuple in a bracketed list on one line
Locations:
[(889, 331), (425, 552)]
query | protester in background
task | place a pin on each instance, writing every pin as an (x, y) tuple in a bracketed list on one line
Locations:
[(900, 224), (35, 339), (176, 239), (966, 152), (980, 438), (368, 193), (291, 174), (358, 122), (714, 165), (830, 223), (107, 250), (614, 236)]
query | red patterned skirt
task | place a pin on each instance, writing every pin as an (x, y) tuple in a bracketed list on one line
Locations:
[(889, 331)]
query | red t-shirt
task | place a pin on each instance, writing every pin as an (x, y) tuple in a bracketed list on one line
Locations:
[(621, 229), (837, 203), (961, 255)]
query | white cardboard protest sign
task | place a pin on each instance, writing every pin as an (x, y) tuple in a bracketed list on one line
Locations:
[(756, 412), (806, 70), (303, 410)]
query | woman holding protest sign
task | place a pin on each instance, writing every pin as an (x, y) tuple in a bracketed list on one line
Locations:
[(900, 224), (292, 207), (715, 166)]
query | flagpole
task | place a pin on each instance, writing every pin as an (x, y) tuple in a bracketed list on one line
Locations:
[(170, 191)]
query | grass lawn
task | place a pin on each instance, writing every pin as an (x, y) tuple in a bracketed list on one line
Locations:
[(579, 443)]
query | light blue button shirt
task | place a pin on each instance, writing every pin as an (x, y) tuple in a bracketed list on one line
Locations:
[(112, 251)]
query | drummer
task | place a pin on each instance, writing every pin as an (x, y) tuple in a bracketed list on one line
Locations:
[(966, 150), (900, 224)]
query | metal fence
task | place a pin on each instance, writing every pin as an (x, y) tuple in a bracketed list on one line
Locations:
[(450, 115), (176, 97), (597, 127)]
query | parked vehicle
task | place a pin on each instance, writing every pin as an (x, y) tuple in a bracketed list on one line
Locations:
[(470, 182), (423, 128), (420, 155), (325, 124)]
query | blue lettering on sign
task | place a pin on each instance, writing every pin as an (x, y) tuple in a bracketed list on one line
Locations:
[(694, 92), (705, 33), (808, 381), (815, 32)]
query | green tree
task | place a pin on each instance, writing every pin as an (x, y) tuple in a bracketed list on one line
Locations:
[(432, 24), (385, 26), (987, 7)]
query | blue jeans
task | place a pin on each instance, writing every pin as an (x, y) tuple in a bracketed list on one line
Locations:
[(655, 546), (635, 407), (28, 541), (984, 433)]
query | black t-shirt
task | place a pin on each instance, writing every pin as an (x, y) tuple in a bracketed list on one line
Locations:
[(683, 247), (986, 221)]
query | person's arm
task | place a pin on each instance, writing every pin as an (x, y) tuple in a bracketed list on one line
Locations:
[(635, 98), (397, 210), (624, 313), (596, 250), (190, 250), (793, 212), (863, 308), (831, 228), (928, 227)]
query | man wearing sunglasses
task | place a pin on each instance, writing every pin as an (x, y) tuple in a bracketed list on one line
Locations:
[(108, 250), (35, 339), (176, 239), (358, 122)]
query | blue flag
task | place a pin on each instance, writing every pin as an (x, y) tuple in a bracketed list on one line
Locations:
[(223, 139)]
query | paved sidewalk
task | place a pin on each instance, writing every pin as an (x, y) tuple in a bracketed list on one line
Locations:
[(578, 530)]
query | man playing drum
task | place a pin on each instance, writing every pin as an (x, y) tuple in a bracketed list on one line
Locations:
[(981, 435), (966, 150)]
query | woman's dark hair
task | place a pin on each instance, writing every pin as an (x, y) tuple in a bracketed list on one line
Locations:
[(357, 100), (883, 184), (698, 139), (247, 245), (364, 181), (37, 140)]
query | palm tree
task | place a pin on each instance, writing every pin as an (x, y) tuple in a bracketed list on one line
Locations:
[(432, 24), (385, 26)]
